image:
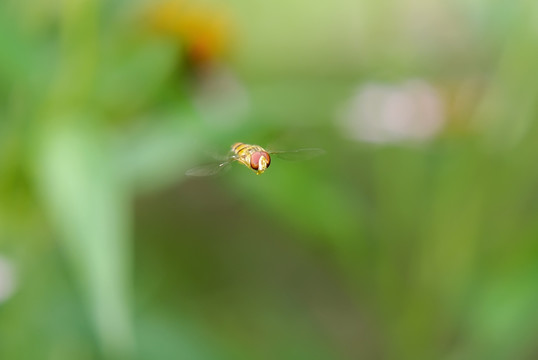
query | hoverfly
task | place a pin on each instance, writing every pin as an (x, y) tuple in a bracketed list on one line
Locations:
[(254, 157)]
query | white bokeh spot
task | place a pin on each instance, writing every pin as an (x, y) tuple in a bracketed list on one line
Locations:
[(7, 279), (379, 113)]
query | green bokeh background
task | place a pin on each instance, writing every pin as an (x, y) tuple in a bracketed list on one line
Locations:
[(388, 250)]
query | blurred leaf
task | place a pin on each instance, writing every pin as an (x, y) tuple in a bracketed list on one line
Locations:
[(88, 204)]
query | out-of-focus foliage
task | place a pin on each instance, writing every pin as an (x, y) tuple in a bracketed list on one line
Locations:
[(414, 237)]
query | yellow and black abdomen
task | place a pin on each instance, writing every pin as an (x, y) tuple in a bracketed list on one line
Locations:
[(240, 149)]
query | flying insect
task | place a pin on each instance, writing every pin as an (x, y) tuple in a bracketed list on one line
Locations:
[(254, 157)]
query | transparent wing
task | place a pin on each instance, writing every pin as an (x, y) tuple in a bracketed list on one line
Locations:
[(209, 169), (300, 154), (218, 156)]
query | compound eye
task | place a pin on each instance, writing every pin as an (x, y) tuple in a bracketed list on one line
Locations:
[(268, 158), (255, 160)]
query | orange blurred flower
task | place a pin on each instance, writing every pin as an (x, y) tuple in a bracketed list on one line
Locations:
[(204, 31)]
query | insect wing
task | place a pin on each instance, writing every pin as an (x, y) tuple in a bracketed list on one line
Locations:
[(300, 154), (209, 169)]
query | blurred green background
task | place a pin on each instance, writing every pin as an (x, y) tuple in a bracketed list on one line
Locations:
[(414, 237)]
